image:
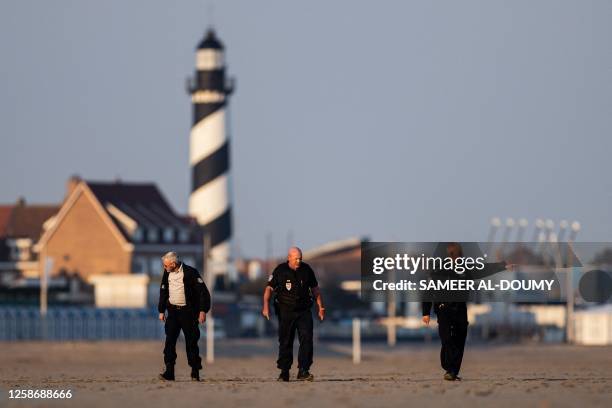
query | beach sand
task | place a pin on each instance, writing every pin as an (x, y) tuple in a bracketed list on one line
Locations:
[(124, 374)]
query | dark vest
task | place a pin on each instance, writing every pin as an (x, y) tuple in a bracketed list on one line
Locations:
[(292, 290)]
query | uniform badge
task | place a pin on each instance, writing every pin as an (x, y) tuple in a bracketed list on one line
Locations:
[(288, 285), (200, 280)]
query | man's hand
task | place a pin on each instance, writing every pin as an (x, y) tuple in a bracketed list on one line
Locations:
[(510, 266), (321, 313), (426, 320), (202, 317), (162, 317), (266, 312)]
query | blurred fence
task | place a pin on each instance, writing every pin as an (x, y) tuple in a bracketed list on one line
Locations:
[(65, 323)]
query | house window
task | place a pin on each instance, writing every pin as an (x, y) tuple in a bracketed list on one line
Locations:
[(14, 250), (20, 249), (189, 260), (139, 264), (155, 266), (184, 235), (168, 234), (153, 235), (138, 235)]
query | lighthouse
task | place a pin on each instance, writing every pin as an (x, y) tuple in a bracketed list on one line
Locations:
[(209, 154)]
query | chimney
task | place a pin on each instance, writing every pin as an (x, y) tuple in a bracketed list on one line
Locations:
[(71, 184)]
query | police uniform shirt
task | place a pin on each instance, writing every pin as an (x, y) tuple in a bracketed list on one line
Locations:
[(293, 287), (177, 287)]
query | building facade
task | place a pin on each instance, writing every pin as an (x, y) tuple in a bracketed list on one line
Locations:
[(115, 228)]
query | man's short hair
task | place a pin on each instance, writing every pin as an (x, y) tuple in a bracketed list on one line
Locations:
[(171, 256)]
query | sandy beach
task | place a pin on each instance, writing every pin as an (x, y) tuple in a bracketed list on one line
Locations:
[(102, 374)]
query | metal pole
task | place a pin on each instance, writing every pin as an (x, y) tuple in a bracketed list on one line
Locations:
[(569, 314), (569, 309), (47, 265), (523, 223), (550, 226), (506, 234), (210, 321), (210, 339), (356, 340), (495, 224), (44, 284), (391, 306), (562, 230), (539, 224), (510, 223)]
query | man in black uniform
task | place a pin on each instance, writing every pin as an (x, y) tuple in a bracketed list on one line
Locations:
[(295, 286), (452, 328), (184, 295), (452, 317)]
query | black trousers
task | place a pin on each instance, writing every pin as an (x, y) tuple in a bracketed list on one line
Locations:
[(452, 327), (177, 320), (288, 322)]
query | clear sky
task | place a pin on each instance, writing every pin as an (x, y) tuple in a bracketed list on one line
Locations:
[(400, 120)]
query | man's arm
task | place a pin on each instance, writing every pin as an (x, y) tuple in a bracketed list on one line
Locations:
[(265, 310), (203, 294), (426, 306), (163, 297), (272, 283), (201, 291), (316, 292)]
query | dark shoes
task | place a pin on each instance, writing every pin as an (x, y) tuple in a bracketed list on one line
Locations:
[(304, 375), (167, 375), (284, 376), (451, 377)]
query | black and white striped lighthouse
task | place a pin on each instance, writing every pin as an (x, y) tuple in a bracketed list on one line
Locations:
[(209, 154)]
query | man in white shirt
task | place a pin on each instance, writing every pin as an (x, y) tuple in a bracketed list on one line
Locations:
[(185, 297)]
